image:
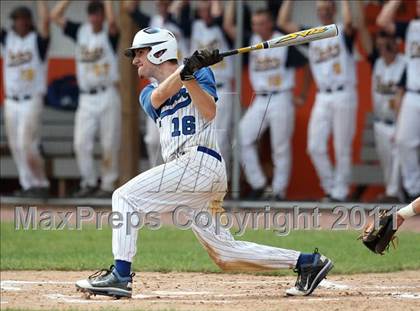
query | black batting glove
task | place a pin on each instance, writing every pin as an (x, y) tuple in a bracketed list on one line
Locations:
[(186, 73), (200, 59)]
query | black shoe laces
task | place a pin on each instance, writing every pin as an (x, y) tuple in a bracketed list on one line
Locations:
[(101, 273), (104, 272)]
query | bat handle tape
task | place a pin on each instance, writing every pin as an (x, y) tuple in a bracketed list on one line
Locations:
[(229, 53)]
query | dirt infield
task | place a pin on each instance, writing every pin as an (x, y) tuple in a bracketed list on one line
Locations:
[(200, 291)]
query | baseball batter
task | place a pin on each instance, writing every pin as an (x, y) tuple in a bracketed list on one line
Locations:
[(387, 72), (408, 128), (163, 19), (24, 72), (99, 101), (183, 105), (333, 68)]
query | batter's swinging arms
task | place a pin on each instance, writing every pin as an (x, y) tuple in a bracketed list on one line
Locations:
[(183, 105)]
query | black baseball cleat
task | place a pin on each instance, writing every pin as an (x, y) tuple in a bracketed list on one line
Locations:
[(107, 282), (310, 275)]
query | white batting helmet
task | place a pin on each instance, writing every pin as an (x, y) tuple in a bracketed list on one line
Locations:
[(162, 42)]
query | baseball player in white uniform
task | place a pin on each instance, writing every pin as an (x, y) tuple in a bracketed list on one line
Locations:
[(99, 101), (408, 125), (183, 105), (24, 76), (387, 72), (333, 68), (272, 74), (163, 19)]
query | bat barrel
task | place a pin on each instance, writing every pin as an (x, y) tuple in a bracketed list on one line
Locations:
[(305, 36), (300, 37)]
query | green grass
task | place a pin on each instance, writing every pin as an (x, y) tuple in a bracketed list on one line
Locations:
[(171, 249)]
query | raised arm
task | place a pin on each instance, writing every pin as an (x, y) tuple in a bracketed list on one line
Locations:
[(182, 10), (365, 36), (229, 20), (110, 17), (130, 5), (284, 17), (202, 100), (216, 8), (167, 88), (347, 17), (175, 8), (43, 19), (132, 8), (170, 86), (57, 13), (386, 17)]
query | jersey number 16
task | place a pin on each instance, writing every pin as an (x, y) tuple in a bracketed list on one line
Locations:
[(187, 126)]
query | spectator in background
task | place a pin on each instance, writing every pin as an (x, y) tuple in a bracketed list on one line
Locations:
[(24, 72), (388, 68), (333, 67), (387, 72), (408, 97), (99, 101), (272, 74), (163, 19), (206, 32)]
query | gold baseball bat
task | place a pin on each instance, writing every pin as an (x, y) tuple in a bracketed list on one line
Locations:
[(295, 38)]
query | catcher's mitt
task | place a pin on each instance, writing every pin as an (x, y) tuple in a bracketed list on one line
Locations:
[(378, 239)]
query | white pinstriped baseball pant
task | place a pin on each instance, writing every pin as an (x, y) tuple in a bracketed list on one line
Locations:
[(192, 180)]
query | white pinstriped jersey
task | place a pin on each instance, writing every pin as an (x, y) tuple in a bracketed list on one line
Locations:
[(267, 68), (180, 124), (412, 52), (384, 87), (331, 63)]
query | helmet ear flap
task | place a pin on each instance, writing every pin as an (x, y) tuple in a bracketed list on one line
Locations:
[(159, 53)]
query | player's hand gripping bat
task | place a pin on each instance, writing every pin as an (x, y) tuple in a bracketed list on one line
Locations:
[(205, 58)]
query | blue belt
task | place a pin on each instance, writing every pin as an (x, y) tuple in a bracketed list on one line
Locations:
[(211, 152)]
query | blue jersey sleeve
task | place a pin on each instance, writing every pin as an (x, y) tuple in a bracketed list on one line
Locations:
[(146, 102), (205, 78)]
